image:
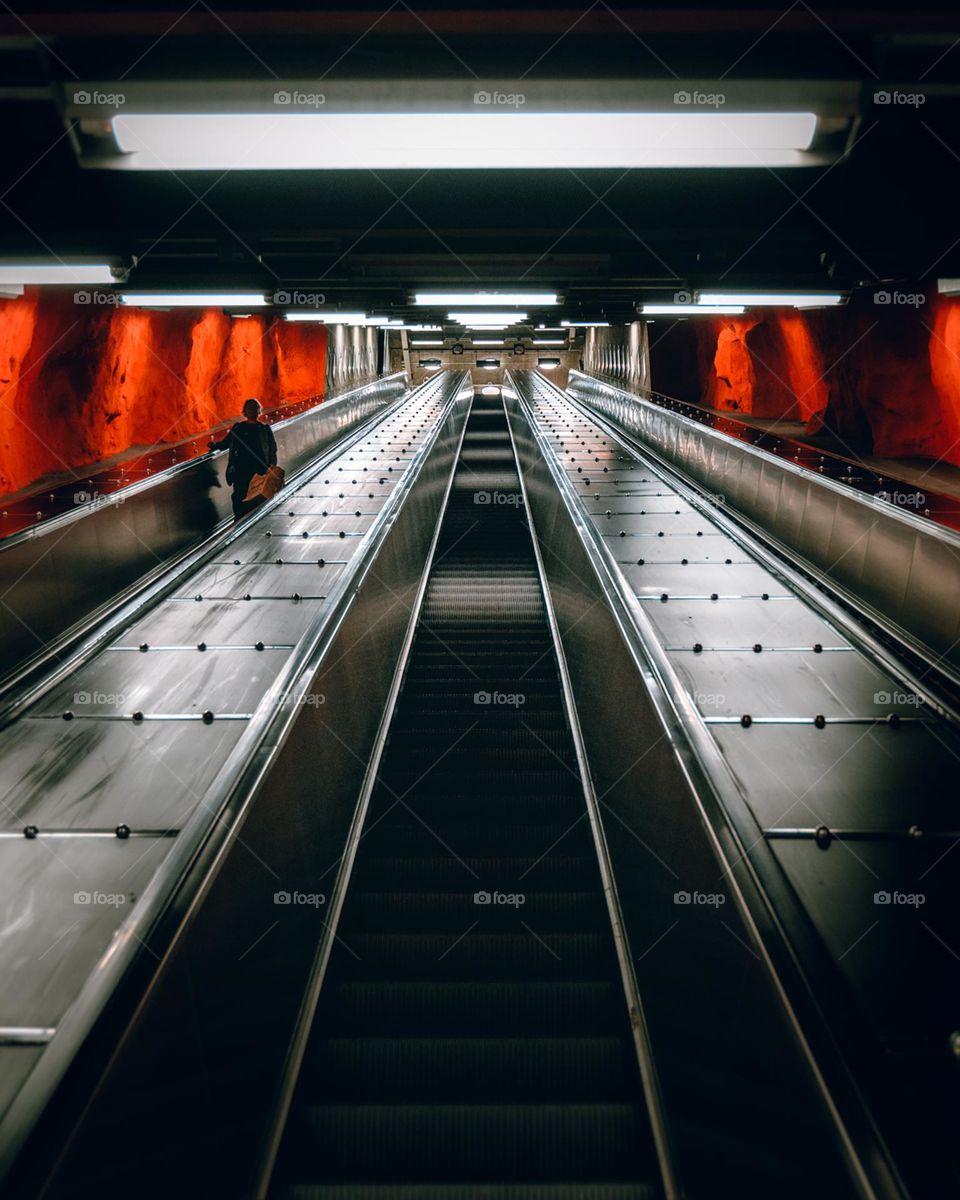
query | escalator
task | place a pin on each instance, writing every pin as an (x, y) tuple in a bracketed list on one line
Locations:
[(471, 1039)]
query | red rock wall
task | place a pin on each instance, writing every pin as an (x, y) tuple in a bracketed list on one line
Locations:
[(79, 383), (883, 376)]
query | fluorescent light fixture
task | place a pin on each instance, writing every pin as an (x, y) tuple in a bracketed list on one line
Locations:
[(489, 299), (489, 327), (692, 310), (476, 319), (56, 272), (487, 341), (427, 343), (550, 329), (193, 299), (548, 364), (490, 389), (329, 140), (948, 287), (765, 299), (420, 328), (549, 341), (586, 324), (330, 318)]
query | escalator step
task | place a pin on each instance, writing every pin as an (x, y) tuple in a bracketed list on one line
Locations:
[(465, 1048), (477, 1069), (444, 912), (472, 1191), (507, 873), (489, 956), (444, 1141), (480, 1007)]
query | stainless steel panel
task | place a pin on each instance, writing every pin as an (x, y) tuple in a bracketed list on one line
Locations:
[(224, 622), (175, 682), (878, 903), (791, 684), (676, 578), (904, 570), (64, 903), (716, 548), (844, 776), (267, 578), (16, 1063), (741, 623), (100, 774)]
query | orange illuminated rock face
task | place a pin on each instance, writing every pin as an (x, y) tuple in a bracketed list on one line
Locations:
[(884, 378), (82, 383)]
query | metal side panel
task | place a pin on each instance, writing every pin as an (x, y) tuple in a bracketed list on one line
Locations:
[(901, 570), (122, 778), (835, 773), (56, 574)]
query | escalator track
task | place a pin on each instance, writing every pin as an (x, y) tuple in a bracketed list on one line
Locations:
[(471, 1039)]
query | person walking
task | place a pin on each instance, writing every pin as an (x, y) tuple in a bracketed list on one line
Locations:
[(253, 450)]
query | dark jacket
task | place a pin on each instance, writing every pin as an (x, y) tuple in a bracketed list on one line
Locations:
[(253, 449)]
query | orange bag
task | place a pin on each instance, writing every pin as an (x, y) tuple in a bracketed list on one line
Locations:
[(265, 487)]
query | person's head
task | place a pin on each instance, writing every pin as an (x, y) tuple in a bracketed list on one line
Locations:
[(252, 409)]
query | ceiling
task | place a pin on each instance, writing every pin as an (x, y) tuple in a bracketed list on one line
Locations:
[(605, 238)]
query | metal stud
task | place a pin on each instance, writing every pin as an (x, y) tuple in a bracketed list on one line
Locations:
[(122, 831), (208, 717), (30, 832), (822, 836), (746, 720), (820, 721)]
